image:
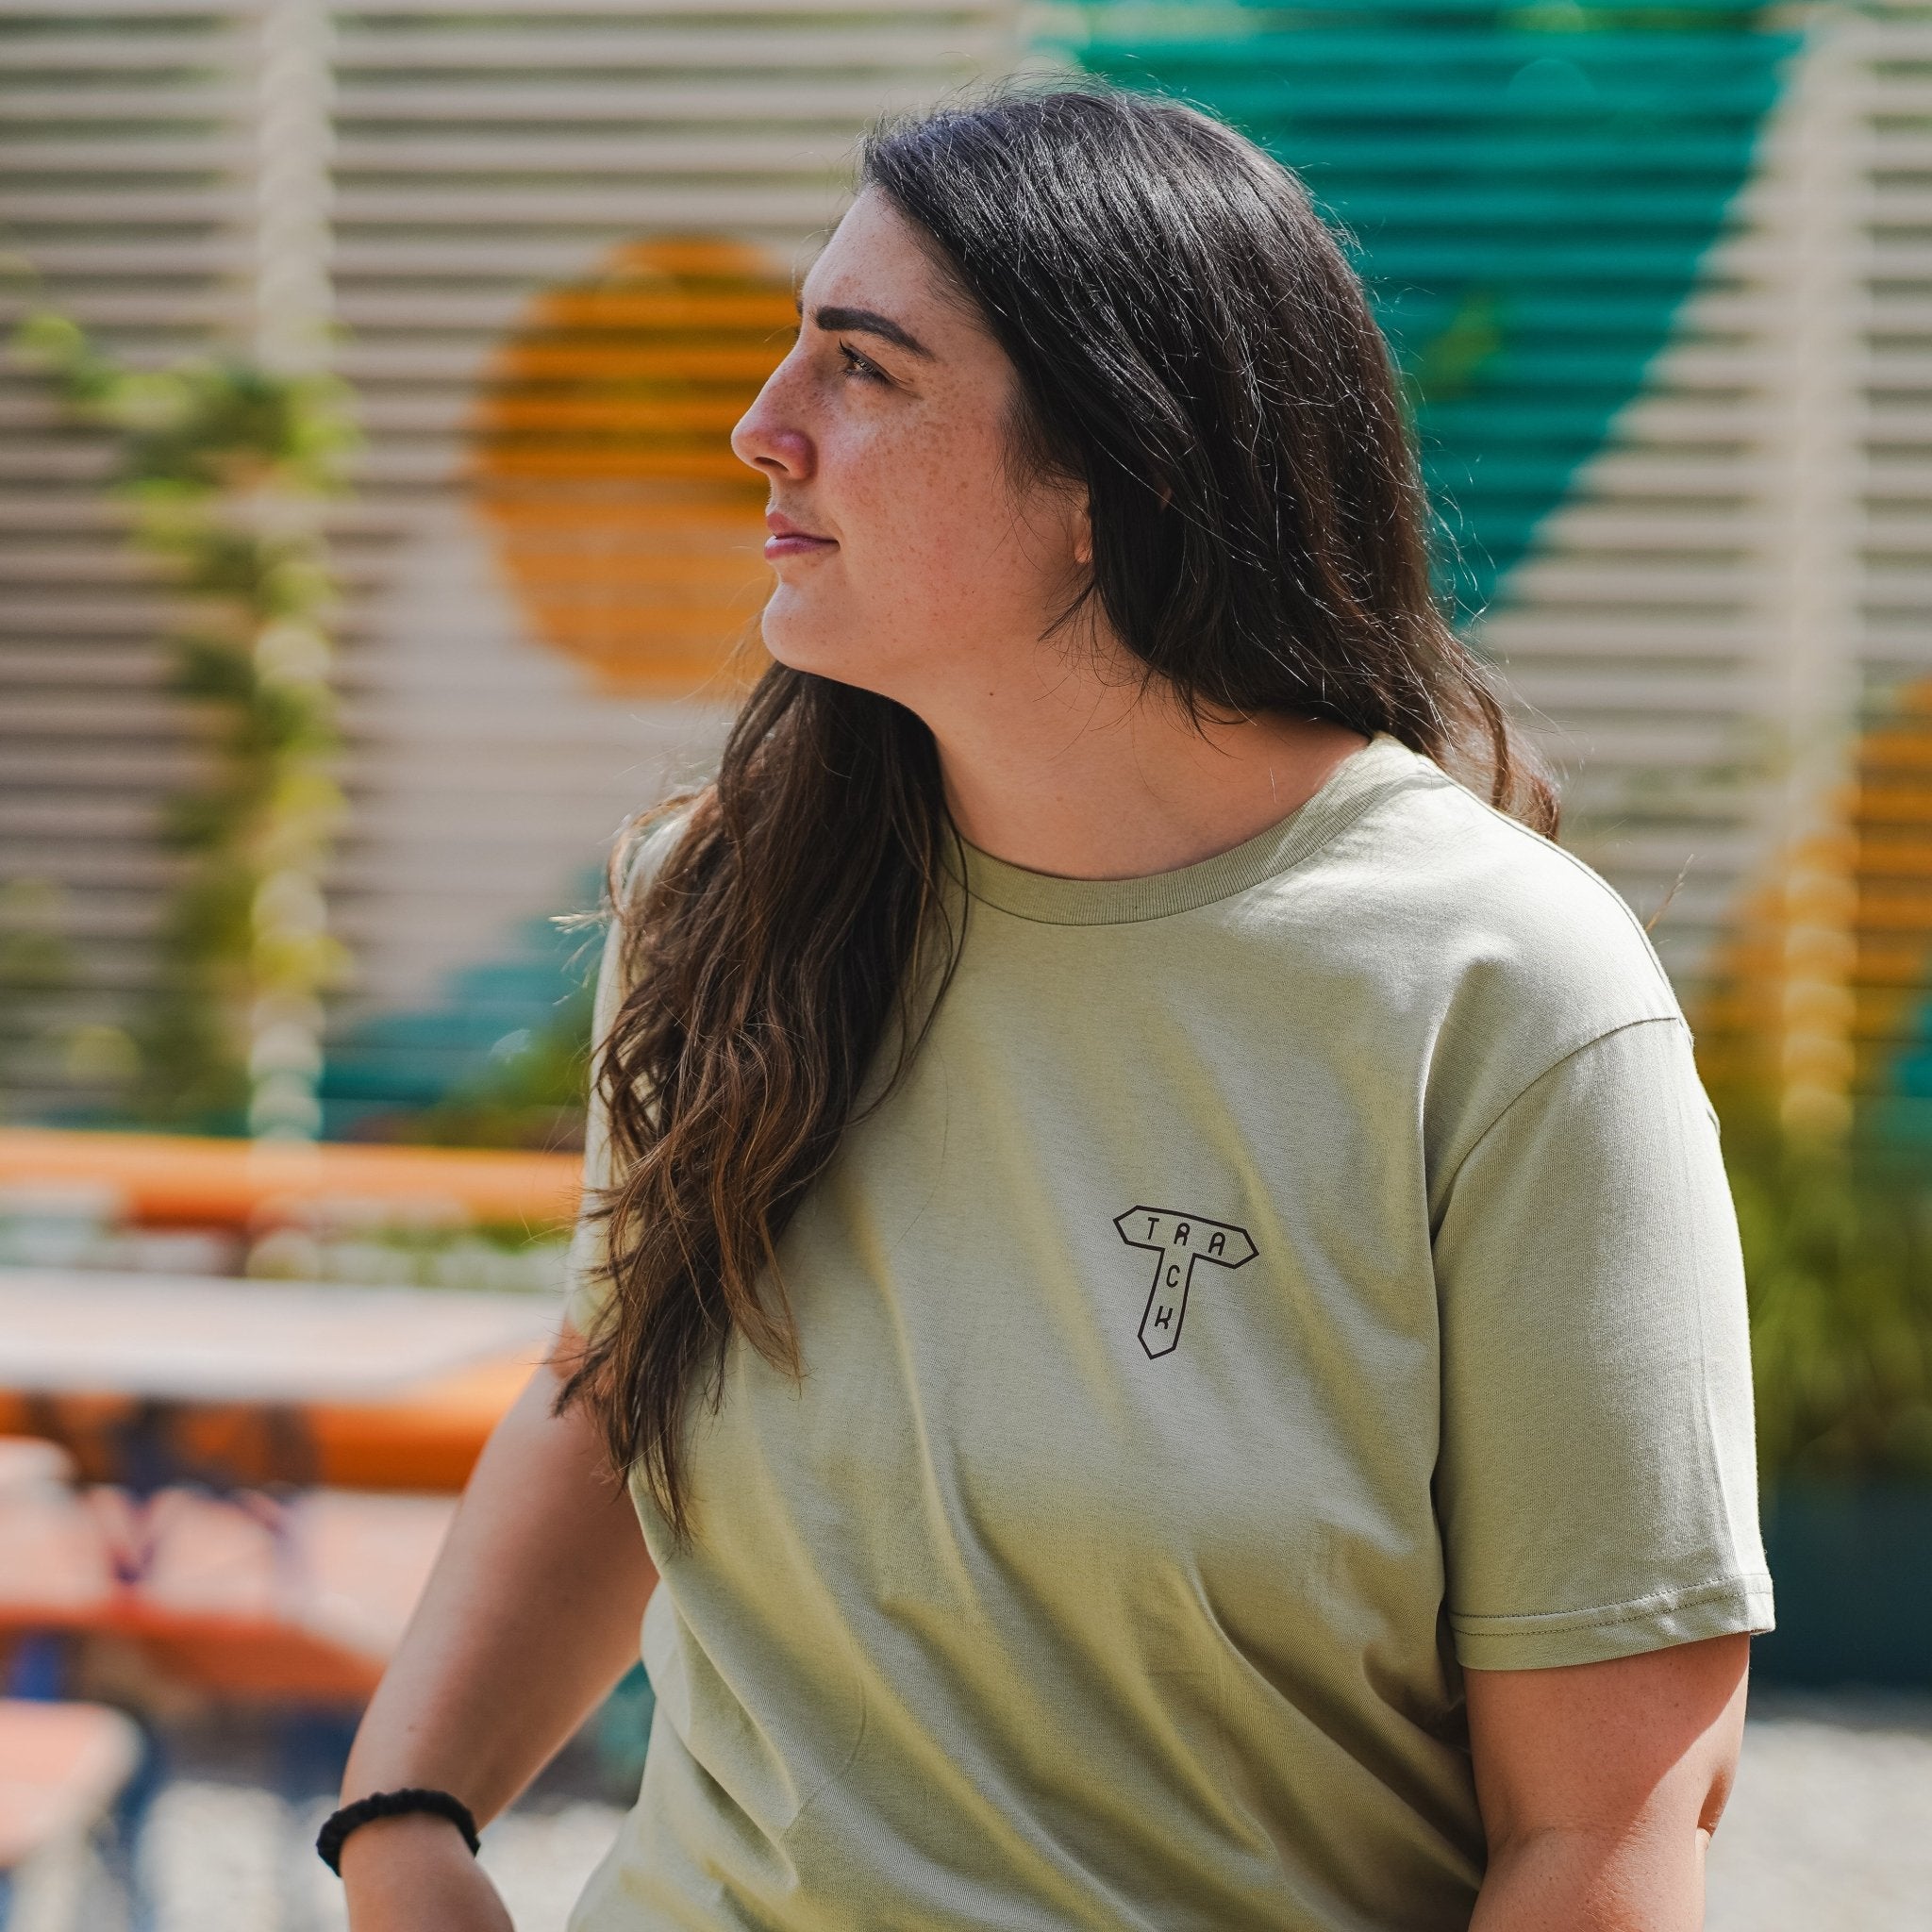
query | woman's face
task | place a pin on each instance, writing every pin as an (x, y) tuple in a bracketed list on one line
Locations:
[(908, 559)]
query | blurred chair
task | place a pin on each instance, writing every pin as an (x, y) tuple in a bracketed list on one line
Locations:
[(290, 1602), (428, 1437), (288, 1606), (29, 1464), (61, 1768)]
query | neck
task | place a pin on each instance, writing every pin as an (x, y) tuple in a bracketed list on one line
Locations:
[(1090, 776)]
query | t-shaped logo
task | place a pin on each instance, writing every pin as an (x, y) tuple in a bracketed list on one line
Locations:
[(1180, 1241)]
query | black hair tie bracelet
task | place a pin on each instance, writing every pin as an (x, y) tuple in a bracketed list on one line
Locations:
[(328, 1840)]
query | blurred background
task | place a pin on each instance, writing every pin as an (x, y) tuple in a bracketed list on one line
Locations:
[(370, 548)]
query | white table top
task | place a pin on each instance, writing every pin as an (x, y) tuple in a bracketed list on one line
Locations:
[(205, 1338)]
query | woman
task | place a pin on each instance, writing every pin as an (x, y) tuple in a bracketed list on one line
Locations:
[(1164, 1283)]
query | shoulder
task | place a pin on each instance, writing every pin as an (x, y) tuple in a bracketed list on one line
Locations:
[(1511, 952), (642, 848), (1510, 909), (643, 845), (1478, 905)]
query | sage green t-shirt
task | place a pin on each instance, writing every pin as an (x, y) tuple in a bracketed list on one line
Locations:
[(1277, 1284)]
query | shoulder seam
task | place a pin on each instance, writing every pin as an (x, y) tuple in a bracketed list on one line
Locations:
[(1569, 1054)]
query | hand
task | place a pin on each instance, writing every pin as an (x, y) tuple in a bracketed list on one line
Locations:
[(414, 1874)]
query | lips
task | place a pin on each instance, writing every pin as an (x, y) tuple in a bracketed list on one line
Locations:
[(792, 540)]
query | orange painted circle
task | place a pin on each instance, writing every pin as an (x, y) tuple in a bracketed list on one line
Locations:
[(600, 459)]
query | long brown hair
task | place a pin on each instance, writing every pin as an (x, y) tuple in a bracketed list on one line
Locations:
[(1192, 349)]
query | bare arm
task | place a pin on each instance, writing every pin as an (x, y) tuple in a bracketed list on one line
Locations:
[(1600, 1786), (529, 1617)]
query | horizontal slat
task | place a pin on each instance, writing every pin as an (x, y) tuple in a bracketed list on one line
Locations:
[(645, 205), (643, 150), (175, 207), (891, 41), (196, 106)]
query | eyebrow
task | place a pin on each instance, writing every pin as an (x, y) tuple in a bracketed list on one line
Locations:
[(869, 321)]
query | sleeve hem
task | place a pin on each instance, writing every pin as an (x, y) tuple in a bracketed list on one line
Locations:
[(1725, 1607)]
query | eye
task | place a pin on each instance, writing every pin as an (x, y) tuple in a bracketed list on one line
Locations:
[(863, 367)]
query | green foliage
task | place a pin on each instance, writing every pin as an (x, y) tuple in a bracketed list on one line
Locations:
[(36, 965), (200, 429), (1838, 1255), (531, 1095), (224, 464)]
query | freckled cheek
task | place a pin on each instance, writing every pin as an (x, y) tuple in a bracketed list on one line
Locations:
[(884, 490), (925, 497)]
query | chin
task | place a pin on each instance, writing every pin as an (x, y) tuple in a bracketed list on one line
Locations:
[(809, 641), (796, 642)]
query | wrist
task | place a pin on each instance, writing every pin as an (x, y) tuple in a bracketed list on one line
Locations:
[(411, 1801), (415, 1838)]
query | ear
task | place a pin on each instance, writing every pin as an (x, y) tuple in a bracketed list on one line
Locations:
[(1083, 535)]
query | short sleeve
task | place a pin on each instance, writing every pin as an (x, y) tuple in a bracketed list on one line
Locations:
[(1597, 1481)]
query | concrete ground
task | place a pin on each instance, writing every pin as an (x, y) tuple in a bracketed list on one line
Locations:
[(1829, 1830), (1830, 1826)]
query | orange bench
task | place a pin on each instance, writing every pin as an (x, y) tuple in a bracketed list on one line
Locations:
[(170, 1179), (428, 1438)]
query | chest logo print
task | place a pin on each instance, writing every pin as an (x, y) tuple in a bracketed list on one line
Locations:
[(1179, 1242)]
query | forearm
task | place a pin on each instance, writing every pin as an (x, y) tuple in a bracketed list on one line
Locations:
[(1646, 1880), (529, 1617)]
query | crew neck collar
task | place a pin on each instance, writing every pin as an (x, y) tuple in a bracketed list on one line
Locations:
[(1345, 794)]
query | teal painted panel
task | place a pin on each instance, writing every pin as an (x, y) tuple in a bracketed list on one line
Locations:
[(487, 1014), (1529, 192)]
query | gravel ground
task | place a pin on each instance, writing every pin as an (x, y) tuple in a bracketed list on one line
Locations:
[(1827, 1831)]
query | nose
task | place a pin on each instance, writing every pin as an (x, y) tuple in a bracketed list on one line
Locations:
[(770, 442)]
